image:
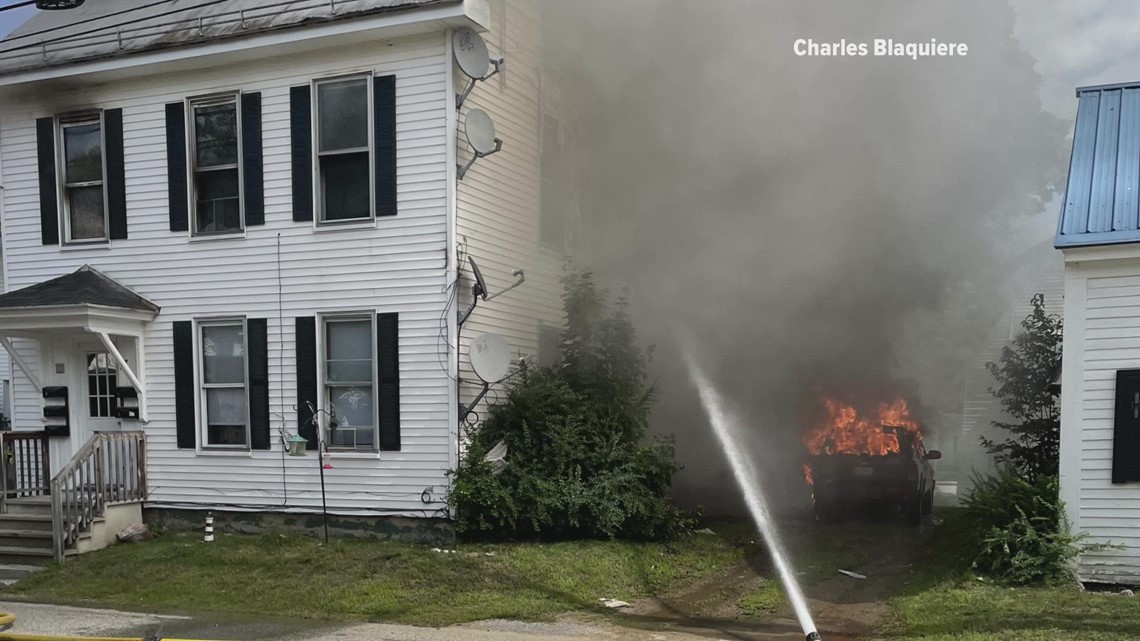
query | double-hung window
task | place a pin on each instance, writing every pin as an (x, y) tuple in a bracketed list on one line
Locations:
[(83, 178), (224, 385), (216, 165), (344, 149), (349, 382)]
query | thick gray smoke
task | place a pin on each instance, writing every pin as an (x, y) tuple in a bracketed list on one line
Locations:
[(823, 225)]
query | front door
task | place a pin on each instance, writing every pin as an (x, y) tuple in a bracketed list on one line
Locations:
[(98, 375)]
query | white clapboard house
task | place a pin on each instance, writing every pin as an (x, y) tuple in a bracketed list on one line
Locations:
[(218, 214), (1099, 233)]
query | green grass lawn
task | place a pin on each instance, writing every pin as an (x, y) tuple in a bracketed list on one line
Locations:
[(383, 581), (946, 602), (964, 611)]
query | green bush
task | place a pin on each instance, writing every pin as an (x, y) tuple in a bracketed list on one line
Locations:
[(578, 462), (1020, 531)]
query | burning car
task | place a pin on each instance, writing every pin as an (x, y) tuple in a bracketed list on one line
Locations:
[(880, 459)]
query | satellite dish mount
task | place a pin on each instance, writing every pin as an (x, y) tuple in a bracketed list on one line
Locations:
[(481, 136), (490, 358), (479, 289), (470, 52)]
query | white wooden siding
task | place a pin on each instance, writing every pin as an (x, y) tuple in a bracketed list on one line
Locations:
[(398, 266), (498, 199), (1102, 335)]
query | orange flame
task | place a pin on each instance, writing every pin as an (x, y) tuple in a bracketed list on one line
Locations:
[(842, 430)]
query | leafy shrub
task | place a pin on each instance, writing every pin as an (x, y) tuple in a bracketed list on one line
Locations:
[(1020, 531), (578, 465)]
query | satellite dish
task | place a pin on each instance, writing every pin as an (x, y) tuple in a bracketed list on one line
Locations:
[(480, 132), (490, 357), (481, 136), (470, 53), (480, 284)]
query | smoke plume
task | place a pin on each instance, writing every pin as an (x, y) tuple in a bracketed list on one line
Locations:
[(821, 225)]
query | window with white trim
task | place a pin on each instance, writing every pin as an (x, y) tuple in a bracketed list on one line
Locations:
[(350, 382), (224, 384), (215, 165), (83, 178), (344, 149), (102, 379)]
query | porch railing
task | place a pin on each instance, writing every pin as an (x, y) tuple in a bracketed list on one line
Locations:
[(25, 466), (110, 468)]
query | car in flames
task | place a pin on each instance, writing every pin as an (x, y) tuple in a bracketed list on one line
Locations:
[(855, 461)]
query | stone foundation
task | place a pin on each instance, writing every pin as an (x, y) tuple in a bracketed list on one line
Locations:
[(386, 528)]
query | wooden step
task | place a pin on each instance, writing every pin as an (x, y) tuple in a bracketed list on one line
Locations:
[(36, 521), (26, 538), (30, 505), (11, 572), (23, 555)]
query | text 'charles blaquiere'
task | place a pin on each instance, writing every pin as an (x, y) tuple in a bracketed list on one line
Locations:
[(881, 47)]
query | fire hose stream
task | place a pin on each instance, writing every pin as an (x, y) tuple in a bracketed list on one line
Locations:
[(7, 620)]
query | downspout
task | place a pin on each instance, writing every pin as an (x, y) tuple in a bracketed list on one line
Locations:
[(451, 268)]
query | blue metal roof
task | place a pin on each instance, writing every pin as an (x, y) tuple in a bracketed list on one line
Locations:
[(1103, 193)]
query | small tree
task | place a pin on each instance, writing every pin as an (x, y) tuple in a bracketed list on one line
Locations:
[(1024, 374)]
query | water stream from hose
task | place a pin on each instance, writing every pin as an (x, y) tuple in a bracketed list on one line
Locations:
[(725, 426)]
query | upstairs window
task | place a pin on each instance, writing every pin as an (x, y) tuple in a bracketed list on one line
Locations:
[(349, 382), (216, 165), (82, 179), (223, 384), (344, 149)]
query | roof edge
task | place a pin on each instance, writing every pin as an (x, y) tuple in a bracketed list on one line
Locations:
[(452, 12), (1116, 85)]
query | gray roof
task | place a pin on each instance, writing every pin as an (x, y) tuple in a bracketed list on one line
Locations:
[(84, 286), (106, 28), (1103, 192)]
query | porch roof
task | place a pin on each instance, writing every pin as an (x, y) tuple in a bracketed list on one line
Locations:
[(84, 286)]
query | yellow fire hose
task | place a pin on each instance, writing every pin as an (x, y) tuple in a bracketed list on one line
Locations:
[(6, 621)]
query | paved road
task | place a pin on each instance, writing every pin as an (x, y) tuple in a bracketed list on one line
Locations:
[(61, 620)]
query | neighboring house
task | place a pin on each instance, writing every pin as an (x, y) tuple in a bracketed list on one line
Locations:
[(1037, 271), (1099, 233), (217, 214)]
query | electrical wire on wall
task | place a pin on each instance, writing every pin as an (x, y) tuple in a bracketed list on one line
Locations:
[(452, 291)]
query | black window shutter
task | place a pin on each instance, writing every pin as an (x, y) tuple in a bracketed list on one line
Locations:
[(1126, 428), (116, 173), (306, 342), (252, 166), (45, 157), (388, 367), (384, 105), (184, 387), (177, 191), (258, 339), (301, 125)]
